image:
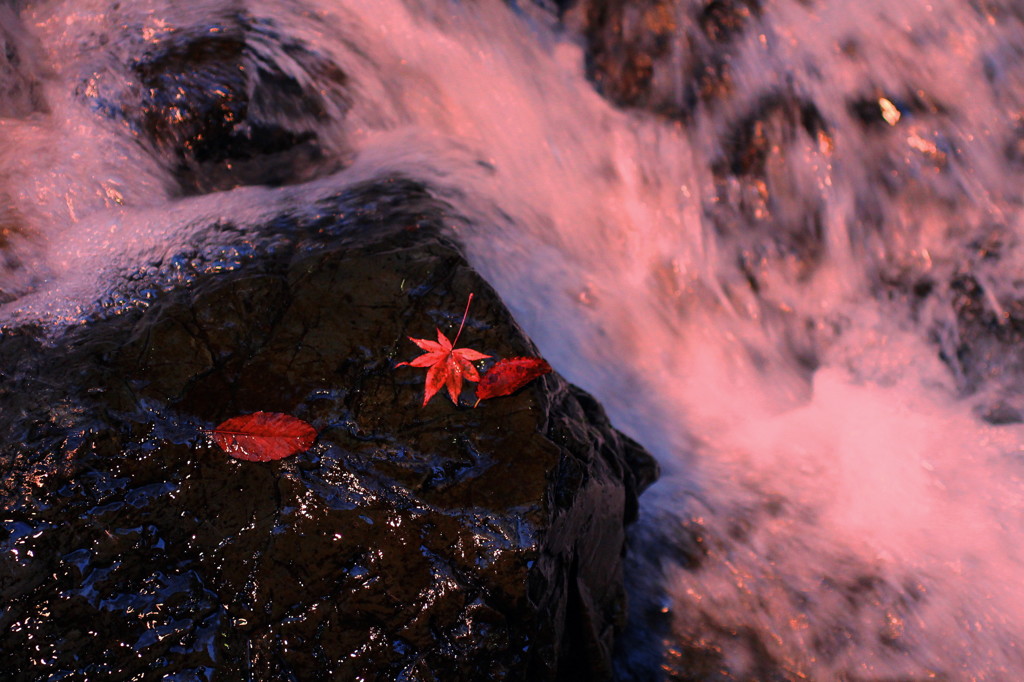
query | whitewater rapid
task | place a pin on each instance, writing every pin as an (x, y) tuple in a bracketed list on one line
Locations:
[(837, 497)]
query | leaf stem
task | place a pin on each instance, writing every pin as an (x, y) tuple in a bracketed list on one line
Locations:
[(463, 323)]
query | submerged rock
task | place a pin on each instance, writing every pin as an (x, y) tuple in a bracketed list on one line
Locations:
[(665, 56), (232, 101), (21, 90), (429, 543)]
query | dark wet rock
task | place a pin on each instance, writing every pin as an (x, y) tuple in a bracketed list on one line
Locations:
[(229, 104), (761, 203), (725, 20), (1014, 150), (773, 121), (436, 543), (1000, 413), (983, 348), (665, 56), (625, 42)]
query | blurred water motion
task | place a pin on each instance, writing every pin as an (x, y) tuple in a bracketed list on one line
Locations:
[(780, 241)]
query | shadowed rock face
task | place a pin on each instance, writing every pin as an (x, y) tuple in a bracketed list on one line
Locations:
[(410, 542)]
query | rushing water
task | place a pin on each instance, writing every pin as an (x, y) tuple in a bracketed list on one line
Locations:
[(820, 344)]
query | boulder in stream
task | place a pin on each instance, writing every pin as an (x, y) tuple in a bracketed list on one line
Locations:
[(416, 543)]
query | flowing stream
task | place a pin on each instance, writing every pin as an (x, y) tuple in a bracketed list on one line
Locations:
[(822, 347)]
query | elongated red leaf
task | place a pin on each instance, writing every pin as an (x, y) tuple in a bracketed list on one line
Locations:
[(509, 375), (264, 436)]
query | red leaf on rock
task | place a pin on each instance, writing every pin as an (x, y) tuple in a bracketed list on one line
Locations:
[(509, 375), (448, 365), (264, 436)]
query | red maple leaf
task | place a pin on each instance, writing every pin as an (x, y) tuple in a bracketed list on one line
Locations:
[(509, 375), (448, 365)]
